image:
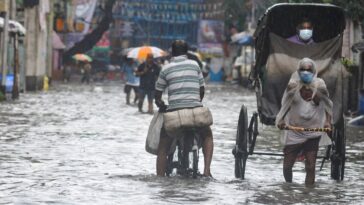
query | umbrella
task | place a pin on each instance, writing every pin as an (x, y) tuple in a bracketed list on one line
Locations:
[(14, 26), (141, 53), (82, 57)]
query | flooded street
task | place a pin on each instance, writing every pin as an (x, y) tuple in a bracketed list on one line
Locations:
[(82, 145)]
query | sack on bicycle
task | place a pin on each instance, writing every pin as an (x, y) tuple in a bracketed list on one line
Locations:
[(187, 118)]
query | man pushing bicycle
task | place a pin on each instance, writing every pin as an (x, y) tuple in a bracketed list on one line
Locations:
[(183, 80)]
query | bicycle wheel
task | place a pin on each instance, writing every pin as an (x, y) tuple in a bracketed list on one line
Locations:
[(195, 164), (181, 168), (338, 151), (241, 152)]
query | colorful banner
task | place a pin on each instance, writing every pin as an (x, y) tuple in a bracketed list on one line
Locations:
[(167, 11), (84, 12), (104, 41)]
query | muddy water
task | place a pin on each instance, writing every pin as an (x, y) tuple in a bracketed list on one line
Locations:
[(82, 145)]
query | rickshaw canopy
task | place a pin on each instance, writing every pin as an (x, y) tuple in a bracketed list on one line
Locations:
[(277, 58)]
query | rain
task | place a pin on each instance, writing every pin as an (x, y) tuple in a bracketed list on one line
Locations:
[(76, 77)]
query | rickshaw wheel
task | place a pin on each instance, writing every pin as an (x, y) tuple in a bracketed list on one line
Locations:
[(240, 151), (338, 151)]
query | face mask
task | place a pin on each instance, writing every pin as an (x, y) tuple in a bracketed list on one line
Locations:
[(305, 34), (306, 76)]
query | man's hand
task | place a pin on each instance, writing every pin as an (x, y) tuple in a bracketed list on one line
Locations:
[(159, 102), (291, 85), (161, 105), (328, 125)]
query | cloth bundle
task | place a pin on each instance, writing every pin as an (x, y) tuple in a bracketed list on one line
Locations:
[(187, 118)]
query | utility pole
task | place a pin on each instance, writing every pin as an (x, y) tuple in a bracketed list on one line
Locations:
[(15, 90), (4, 42), (12, 10), (50, 17), (253, 14)]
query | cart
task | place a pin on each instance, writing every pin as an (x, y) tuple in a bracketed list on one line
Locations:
[(274, 27)]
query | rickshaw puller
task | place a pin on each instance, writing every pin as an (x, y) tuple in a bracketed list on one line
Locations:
[(305, 103)]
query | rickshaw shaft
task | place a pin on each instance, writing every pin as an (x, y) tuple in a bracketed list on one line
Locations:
[(275, 154)]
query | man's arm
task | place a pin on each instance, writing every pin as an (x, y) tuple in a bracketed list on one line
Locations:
[(202, 92), (328, 121), (160, 85), (159, 102)]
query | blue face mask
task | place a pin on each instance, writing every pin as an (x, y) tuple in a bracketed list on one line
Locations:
[(306, 76), (305, 34)]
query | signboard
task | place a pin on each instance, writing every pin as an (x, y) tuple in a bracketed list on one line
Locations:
[(210, 36)]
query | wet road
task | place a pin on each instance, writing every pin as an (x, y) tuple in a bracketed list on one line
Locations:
[(83, 145)]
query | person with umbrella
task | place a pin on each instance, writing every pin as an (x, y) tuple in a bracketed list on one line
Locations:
[(86, 66), (86, 72), (148, 73)]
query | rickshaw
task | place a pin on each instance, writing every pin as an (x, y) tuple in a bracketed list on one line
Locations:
[(271, 73)]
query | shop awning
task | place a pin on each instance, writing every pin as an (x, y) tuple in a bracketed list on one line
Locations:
[(57, 42)]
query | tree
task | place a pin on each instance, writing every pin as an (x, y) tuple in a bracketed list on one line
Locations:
[(354, 9), (235, 13), (92, 38)]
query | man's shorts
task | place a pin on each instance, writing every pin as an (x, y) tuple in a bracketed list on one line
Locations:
[(201, 131), (127, 88), (149, 93), (307, 146)]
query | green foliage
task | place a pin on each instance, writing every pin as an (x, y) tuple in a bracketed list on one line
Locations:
[(235, 13), (348, 64), (19, 2), (237, 10), (353, 8)]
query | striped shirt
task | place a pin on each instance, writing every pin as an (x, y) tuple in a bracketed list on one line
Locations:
[(182, 78)]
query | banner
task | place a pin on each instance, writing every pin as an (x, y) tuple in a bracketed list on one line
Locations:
[(170, 11), (84, 12), (210, 36), (104, 41)]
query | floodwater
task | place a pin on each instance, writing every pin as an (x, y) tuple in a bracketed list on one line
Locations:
[(79, 144)]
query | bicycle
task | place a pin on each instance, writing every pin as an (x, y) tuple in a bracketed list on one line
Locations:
[(185, 156)]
